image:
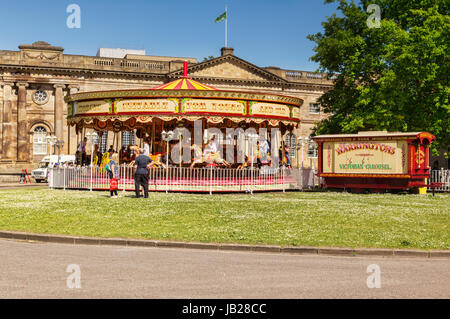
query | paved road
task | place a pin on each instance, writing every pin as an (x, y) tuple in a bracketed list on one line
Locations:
[(31, 269)]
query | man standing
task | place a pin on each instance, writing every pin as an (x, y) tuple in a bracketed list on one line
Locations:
[(141, 165)]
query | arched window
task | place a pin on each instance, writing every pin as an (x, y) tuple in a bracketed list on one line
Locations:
[(290, 140), (39, 141)]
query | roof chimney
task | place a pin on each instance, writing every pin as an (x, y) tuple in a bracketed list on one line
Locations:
[(227, 51)]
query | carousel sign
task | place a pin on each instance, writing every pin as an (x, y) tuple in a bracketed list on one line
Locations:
[(147, 106), (382, 157), (269, 109), (213, 106), (91, 107)]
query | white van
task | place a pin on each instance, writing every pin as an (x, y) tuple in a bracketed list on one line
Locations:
[(49, 161)]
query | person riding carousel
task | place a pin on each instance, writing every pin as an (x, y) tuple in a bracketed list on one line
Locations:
[(212, 146), (264, 150), (211, 153)]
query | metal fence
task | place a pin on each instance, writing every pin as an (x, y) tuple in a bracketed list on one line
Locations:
[(210, 179), (441, 176)]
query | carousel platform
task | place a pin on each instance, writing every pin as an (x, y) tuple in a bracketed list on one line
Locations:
[(203, 180)]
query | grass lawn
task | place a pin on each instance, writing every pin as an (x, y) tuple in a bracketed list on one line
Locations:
[(286, 219)]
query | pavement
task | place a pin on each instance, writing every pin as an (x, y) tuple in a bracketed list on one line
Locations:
[(31, 269)]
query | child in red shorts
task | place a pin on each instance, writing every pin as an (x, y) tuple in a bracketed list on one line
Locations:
[(113, 186)]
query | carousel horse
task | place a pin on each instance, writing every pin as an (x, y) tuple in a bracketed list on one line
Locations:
[(156, 158), (105, 160), (95, 161), (200, 158)]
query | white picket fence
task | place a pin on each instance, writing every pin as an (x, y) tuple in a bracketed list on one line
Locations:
[(206, 180), (441, 176)]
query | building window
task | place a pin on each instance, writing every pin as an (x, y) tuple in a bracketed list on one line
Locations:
[(39, 141), (313, 151), (314, 108), (102, 141), (290, 141), (128, 138), (40, 97)]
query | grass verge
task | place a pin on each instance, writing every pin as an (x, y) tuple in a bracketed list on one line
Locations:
[(286, 219)]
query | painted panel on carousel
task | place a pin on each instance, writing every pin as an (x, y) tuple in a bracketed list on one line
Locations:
[(224, 107), (91, 107), (269, 109), (296, 113), (365, 157), (146, 106)]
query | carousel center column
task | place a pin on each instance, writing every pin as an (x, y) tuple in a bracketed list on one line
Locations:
[(22, 134), (59, 112)]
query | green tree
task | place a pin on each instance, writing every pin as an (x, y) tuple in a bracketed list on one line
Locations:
[(394, 77), (208, 58)]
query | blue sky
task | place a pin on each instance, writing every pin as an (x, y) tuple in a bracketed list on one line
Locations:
[(266, 33)]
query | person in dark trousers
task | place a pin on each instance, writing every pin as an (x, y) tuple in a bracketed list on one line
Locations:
[(141, 165)]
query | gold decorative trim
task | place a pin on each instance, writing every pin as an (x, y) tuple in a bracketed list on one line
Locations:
[(222, 94), (147, 119)]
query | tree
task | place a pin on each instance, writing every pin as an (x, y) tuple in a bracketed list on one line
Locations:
[(208, 58), (394, 77)]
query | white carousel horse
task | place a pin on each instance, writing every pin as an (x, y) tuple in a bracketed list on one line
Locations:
[(200, 158)]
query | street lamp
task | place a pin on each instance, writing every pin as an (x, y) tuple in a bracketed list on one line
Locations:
[(167, 136), (58, 143), (314, 146), (302, 141), (49, 140), (92, 138), (299, 146)]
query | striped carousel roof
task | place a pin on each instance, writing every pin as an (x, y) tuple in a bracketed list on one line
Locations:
[(184, 84)]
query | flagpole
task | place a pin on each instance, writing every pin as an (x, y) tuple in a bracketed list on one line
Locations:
[(226, 25)]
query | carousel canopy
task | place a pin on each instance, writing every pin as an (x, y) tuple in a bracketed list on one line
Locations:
[(184, 84), (182, 99)]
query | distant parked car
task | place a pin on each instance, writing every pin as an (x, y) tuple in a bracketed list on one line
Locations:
[(41, 173)]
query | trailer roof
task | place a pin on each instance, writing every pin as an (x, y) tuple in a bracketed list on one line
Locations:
[(377, 134)]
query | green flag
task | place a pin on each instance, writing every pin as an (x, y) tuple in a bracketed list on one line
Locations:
[(222, 17)]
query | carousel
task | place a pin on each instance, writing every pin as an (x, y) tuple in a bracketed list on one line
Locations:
[(154, 114)]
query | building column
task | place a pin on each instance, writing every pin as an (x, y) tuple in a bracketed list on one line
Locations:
[(22, 132), (68, 146), (59, 112), (9, 125)]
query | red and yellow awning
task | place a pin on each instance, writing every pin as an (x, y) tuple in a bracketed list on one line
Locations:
[(184, 84)]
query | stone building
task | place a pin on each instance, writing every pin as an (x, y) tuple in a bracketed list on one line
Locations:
[(35, 80)]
